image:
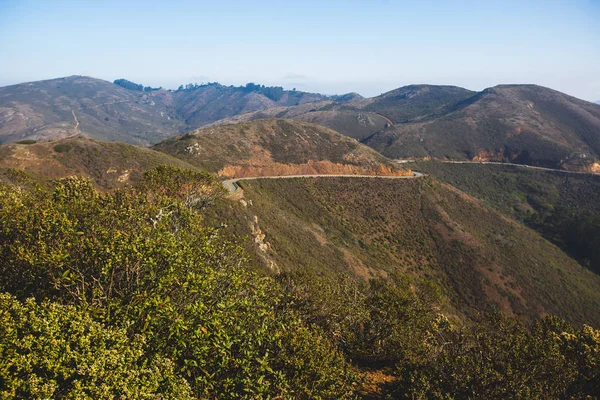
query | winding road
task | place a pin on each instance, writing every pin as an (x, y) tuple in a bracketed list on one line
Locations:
[(235, 190), (500, 163)]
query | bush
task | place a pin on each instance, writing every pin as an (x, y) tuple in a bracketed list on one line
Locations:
[(53, 351), (62, 148), (499, 358), (143, 260)]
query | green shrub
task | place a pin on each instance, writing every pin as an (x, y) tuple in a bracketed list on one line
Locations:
[(499, 358), (27, 141), (62, 148), (144, 260), (60, 352)]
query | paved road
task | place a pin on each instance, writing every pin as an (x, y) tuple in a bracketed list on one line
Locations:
[(500, 163), (233, 188)]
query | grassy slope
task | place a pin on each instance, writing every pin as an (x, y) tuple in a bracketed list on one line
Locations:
[(110, 165), (371, 227), (269, 143), (515, 190), (564, 208)]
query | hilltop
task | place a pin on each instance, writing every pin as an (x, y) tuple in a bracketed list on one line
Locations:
[(79, 105), (275, 147), (110, 165)]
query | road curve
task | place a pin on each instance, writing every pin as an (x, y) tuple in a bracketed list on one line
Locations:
[(233, 188), (500, 163)]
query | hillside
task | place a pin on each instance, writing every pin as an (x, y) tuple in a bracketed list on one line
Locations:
[(110, 165), (275, 147), (563, 207), (361, 118), (372, 228), (126, 112), (415, 101), (78, 105), (525, 124)]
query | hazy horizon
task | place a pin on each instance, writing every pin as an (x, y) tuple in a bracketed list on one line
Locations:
[(330, 47)]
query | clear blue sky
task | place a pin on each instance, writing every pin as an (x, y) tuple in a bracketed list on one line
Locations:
[(330, 46)]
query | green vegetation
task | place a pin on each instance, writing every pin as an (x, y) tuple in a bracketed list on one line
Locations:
[(564, 208), (26, 141), (393, 323), (499, 358), (134, 86), (62, 148), (140, 263), (374, 227), (49, 350), (134, 294)]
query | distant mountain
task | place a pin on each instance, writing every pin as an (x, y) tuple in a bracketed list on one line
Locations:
[(360, 118), (526, 124), (109, 165), (415, 101), (128, 112), (275, 147), (597, 102), (77, 105)]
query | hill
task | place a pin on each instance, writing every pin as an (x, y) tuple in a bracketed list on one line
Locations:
[(371, 228), (275, 147), (125, 111), (78, 105), (415, 101), (361, 118), (526, 124), (110, 165)]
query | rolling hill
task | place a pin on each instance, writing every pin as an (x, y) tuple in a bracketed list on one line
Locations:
[(126, 112), (110, 165), (361, 118), (275, 147), (78, 105), (526, 124)]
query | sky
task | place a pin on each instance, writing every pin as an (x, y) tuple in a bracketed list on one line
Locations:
[(326, 46)]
